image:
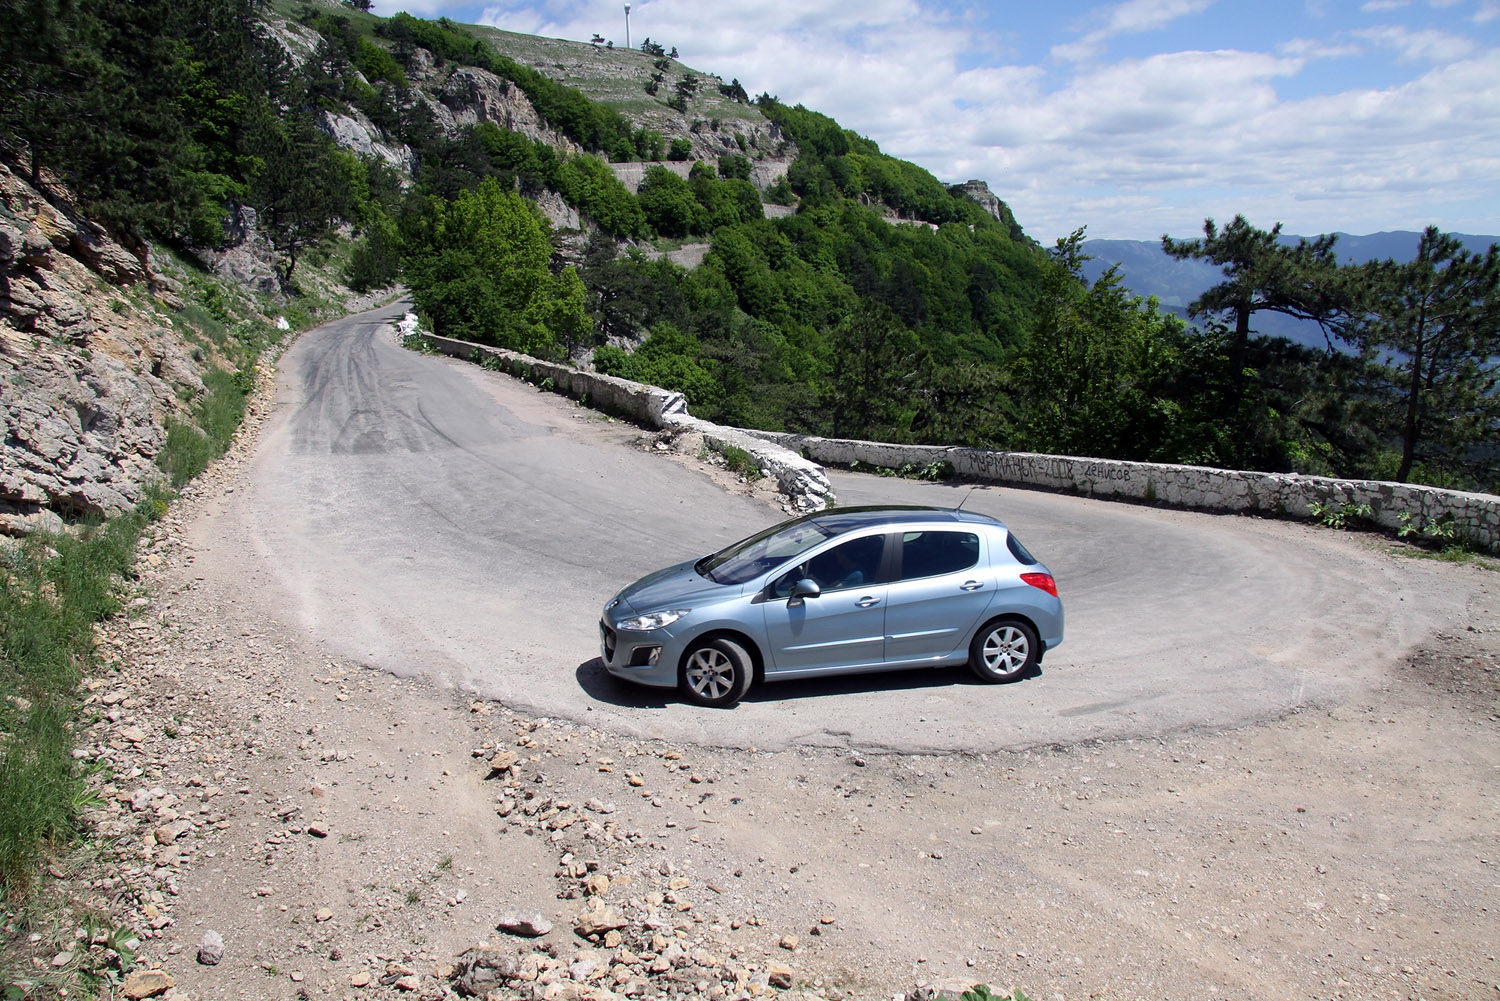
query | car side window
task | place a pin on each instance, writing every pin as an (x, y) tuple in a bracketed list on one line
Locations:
[(929, 554), (852, 564)]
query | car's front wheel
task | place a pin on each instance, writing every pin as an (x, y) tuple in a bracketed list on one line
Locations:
[(716, 673), (1004, 650)]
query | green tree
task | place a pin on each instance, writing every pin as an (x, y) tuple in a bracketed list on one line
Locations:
[(876, 363), (734, 91), (587, 183), (375, 261), (42, 63), (1432, 328), (565, 315), (477, 266), (670, 359), (92, 92), (669, 204), (732, 165), (302, 187), (1261, 272), (1090, 380)]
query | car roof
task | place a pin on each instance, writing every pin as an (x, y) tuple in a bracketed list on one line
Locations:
[(840, 521)]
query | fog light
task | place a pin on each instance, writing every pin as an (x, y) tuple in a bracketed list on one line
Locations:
[(644, 656)]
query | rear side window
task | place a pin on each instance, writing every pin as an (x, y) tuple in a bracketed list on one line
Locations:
[(928, 554), (1019, 551)]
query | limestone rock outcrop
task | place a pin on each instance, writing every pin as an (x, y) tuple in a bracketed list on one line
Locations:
[(475, 95), (980, 192), (90, 367), (359, 135)]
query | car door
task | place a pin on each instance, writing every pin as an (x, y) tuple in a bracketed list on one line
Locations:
[(842, 627), (943, 585)]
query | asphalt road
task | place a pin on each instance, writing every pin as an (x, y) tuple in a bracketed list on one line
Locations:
[(420, 515)]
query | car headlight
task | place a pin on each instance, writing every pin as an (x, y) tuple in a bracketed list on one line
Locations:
[(653, 620)]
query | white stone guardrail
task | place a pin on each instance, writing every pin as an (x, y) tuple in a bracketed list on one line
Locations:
[(794, 461), (1475, 517), (802, 481)]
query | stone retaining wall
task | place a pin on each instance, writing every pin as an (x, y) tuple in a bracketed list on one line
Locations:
[(1475, 516), (802, 481)]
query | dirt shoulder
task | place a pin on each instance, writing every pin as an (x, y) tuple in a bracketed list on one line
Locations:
[(351, 834)]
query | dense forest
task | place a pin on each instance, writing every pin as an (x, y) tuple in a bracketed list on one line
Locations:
[(886, 305)]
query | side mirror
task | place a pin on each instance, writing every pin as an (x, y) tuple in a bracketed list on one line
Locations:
[(804, 588)]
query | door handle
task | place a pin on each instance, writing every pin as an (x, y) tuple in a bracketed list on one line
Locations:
[(972, 585), (866, 602)]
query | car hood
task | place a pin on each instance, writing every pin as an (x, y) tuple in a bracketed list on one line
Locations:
[(676, 585)]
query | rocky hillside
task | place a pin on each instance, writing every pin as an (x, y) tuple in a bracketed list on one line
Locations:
[(104, 348), (705, 124), (92, 365)]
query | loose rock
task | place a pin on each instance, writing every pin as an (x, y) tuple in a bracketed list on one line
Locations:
[(528, 923), (211, 948), (481, 970), (146, 984)]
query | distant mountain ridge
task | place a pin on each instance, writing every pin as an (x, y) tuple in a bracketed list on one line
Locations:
[(1147, 270)]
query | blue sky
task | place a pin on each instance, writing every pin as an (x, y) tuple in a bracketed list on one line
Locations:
[(1134, 118)]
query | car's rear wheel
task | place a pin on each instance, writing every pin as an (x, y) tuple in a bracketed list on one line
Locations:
[(1004, 650), (716, 673)]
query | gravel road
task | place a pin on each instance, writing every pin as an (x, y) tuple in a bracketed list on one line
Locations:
[(1262, 765)]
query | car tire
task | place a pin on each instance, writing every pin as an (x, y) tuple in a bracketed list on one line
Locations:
[(716, 674), (1004, 650)]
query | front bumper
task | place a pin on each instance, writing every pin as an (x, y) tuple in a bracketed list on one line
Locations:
[(647, 658)]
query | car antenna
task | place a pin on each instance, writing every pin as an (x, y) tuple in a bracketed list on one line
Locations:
[(964, 501)]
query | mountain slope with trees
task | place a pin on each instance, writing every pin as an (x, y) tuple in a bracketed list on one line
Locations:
[(842, 291)]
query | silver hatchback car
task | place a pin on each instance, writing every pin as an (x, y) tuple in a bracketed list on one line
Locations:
[(841, 591)]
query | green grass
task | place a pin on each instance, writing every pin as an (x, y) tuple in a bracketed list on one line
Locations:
[(191, 446), (982, 992), (1453, 552), (53, 588), (737, 460)]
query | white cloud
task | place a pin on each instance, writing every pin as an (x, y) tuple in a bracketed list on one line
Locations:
[(1315, 48), (1400, 157), (1130, 17), (1378, 6), (1428, 45)]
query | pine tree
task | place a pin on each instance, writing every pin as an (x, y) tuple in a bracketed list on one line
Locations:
[(1432, 328), (1262, 273), (301, 188)]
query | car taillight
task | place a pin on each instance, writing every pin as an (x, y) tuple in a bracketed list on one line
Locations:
[(1041, 580)]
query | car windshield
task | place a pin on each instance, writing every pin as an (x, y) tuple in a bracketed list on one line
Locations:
[(746, 560)]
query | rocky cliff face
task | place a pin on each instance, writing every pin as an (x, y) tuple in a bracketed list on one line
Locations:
[(474, 95), (90, 366), (981, 193), (460, 96)]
